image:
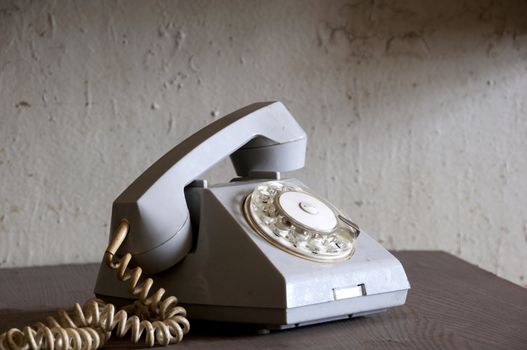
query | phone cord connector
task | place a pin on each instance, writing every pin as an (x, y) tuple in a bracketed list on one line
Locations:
[(90, 327)]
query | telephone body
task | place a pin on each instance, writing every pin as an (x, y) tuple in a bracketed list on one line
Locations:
[(258, 250)]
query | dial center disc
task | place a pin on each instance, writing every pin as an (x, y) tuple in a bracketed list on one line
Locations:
[(307, 210)]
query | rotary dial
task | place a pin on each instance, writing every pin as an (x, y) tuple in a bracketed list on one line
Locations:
[(299, 222)]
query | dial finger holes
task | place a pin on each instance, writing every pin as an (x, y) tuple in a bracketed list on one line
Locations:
[(299, 222)]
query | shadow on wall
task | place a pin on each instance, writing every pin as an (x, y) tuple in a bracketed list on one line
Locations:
[(413, 35), (408, 28)]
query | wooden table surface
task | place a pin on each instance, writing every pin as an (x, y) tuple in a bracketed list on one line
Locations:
[(452, 305)]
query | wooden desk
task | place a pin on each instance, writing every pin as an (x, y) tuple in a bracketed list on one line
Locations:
[(452, 304)]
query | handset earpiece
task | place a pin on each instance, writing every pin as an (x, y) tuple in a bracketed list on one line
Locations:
[(260, 137)]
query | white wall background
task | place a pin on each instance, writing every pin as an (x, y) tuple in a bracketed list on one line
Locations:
[(416, 113)]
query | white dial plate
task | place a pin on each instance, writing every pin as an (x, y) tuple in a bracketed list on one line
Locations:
[(307, 211)]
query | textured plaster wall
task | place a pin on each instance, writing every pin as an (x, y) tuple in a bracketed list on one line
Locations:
[(416, 113)]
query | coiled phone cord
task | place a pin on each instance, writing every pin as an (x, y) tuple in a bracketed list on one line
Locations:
[(90, 327)]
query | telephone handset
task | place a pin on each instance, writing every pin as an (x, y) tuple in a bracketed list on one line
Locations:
[(262, 137), (260, 250)]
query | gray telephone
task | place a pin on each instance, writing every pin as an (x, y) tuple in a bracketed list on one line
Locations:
[(259, 249)]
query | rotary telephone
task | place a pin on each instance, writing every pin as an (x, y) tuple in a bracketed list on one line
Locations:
[(260, 249)]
